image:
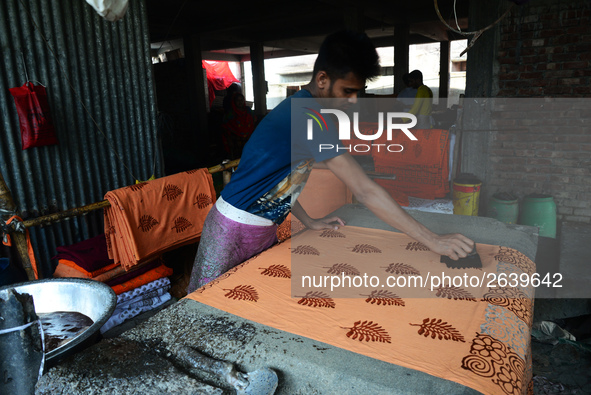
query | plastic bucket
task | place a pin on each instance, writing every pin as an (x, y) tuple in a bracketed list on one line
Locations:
[(504, 207), (539, 210), (466, 195)]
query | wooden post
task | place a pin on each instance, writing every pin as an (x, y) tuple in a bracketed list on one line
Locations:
[(198, 93), (444, 69), (259, 83), (353, 17), (401, 45), (20, 239)]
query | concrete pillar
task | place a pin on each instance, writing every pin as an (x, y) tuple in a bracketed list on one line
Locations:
[(444, 57), (198, 96), (259, 84), (481, 84), (401, 45)]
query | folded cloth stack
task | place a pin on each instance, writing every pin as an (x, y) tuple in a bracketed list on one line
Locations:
[(89, 259), (141, 299), (142, 289), (150, 218)]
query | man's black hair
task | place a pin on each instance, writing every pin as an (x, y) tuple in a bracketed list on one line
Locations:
[(347, 51), (416, 74), (405, 79)]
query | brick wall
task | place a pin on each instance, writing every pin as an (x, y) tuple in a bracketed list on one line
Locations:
[(545, 51)]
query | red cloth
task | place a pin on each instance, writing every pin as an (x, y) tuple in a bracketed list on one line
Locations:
[(34, 115), (90, 254), (219, 77)]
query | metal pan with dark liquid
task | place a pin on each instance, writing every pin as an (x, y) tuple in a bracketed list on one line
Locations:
[(90, 298)]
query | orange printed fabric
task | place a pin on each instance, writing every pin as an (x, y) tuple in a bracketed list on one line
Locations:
[(63, 270), (147, 219), (86, 273), (478, 337), (143, 279), (421, 168)]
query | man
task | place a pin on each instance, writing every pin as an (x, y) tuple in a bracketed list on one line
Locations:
[(276, 162), (408, 94), (423, 102)]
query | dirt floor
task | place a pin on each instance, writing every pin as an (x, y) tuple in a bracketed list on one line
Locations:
[(564, 367)]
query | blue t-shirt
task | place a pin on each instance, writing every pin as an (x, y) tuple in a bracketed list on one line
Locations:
[(277, 160)]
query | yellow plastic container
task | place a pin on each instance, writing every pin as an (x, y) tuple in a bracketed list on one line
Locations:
[(466, 197)]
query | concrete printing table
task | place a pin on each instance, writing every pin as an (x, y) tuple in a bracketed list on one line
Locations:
[(144, 359)]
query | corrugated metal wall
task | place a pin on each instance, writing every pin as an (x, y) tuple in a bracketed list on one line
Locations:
[(108, 65)]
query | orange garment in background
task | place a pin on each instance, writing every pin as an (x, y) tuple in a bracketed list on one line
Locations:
[(421, 168), (147, 219), (478, 337)]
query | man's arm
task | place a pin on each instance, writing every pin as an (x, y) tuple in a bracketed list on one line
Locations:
[(316, 224), (379, 201)]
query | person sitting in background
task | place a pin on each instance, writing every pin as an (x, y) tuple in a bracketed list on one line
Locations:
[(423, 102), (234, 88), (237, 125), (408, 94)]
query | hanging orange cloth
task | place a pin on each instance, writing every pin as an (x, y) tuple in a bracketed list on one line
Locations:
[(8, 242), (147, 219)]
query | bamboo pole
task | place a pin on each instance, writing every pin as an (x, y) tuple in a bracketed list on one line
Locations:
[(74, 212), (20, 239)]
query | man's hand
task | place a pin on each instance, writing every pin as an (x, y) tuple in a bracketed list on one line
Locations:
[(325, 223), (453, 245)]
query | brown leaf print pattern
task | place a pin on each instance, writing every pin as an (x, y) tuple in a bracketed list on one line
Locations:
[(138, 187), (203, 200), (242, 292), (181, 224), (416, 246), (368, 331), (276, 271), (331, 233), (402, 268), (305, 250), (297, 226), (384, 298), (317, 299), (171, 192), (366, 249), (454, 293), (436, 328), (147, 222), (345, 268)]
